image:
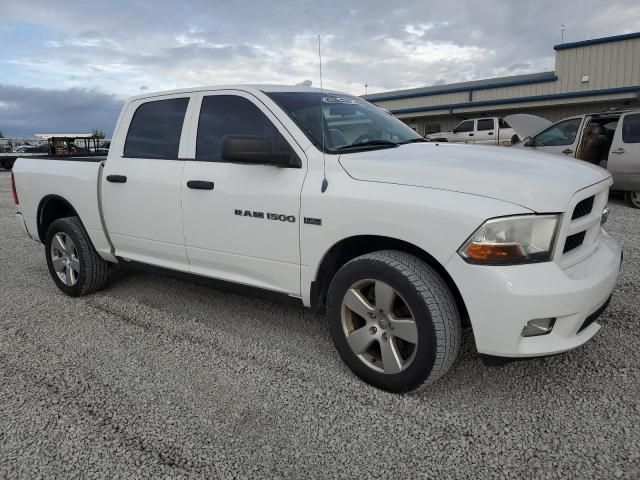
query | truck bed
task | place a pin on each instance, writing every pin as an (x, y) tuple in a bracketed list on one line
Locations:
[(75, 179)]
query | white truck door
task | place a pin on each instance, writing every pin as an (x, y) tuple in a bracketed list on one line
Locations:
[(245, 225), (624, 156), (141, 182), (486, 131), (464, 132), (561, 138)]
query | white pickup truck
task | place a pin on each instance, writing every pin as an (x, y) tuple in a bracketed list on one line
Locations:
[(329, 200), (486, 131)]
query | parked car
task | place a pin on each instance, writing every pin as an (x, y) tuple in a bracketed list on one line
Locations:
[(489, 131), (326, 199), (42, 148), (610, 140)]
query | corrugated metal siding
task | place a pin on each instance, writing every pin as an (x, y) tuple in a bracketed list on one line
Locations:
[(608, 65), (432, 100)]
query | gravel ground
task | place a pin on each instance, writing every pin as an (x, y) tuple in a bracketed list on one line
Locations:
[(157, 377)]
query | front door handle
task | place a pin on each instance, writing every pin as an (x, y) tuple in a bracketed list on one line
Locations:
[(117, 178), (200, 185), (490, 133), (618, 151), (567, 151), (471, 134)]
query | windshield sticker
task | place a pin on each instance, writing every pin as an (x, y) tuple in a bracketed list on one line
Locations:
[(341, 100)]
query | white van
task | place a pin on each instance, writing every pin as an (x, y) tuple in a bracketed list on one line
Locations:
[(608, 139)]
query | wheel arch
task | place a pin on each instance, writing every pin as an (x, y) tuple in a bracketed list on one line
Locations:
[(351, 247), (51, 208)]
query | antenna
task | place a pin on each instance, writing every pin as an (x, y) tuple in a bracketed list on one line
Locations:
[(325, 183)]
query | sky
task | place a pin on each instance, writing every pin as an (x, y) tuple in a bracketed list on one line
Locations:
[(67, 66)]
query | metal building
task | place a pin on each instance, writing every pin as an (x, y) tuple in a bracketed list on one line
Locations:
[(589, 76)]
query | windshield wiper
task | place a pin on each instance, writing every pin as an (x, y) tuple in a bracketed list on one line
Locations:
[(370, 143), (414, 140)]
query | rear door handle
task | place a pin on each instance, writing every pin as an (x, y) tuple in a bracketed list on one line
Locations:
[(567, 151), (200, 185), (618, 151), (490, 133), (116, 178)]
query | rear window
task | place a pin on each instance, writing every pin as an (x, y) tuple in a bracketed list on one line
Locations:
[(155, 129), (631, 129)]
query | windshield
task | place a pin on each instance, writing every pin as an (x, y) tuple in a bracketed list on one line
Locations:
[(350, 124)]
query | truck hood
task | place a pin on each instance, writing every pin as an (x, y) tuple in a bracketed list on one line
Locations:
[(536, 181), (527, 125)]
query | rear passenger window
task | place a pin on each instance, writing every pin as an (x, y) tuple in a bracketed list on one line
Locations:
[(155, 129), (631, 129), (485, 124), (224, 115)]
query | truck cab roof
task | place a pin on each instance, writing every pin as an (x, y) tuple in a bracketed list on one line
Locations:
[(252, 88)]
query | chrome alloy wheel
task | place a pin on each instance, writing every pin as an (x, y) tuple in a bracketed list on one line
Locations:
[(64, 257), (379, 326)]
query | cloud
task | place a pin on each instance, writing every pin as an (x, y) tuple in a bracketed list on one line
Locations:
[(26, 111), (166, 44)]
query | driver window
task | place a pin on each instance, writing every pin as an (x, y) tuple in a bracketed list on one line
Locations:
[(466, 126), (223, 115), (562, 133)]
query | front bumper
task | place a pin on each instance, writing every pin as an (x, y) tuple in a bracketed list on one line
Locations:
[(501, 300)]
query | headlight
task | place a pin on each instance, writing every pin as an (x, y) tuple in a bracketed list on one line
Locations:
[(512, 240)]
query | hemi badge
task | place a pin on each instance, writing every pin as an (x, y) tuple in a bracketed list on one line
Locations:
[(312, 221)]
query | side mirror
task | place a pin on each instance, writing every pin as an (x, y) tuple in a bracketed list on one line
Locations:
[(257, 150), (529, 142)]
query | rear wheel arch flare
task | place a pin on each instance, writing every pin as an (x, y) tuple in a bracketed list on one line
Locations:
[(51, 208)]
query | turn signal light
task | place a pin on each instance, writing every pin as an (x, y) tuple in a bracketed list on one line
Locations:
[(483, 252)]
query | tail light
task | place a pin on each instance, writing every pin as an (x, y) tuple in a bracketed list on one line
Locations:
[(13, 189)]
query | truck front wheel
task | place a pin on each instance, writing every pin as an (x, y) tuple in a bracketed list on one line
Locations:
[(394, 321), (74, 265)]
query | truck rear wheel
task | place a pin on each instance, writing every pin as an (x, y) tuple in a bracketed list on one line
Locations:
[(74, 265), (633, 199), (393, 320), (7, 164)]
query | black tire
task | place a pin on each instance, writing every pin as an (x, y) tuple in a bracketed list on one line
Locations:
[(93, 270), (633, 199), (431, 304), (7, 164), (515, 139)]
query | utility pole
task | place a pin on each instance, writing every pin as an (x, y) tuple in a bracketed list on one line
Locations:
[(366, 87), (562, 32)]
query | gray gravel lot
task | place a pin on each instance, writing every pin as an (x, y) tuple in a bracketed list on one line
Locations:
[(158, 377)]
